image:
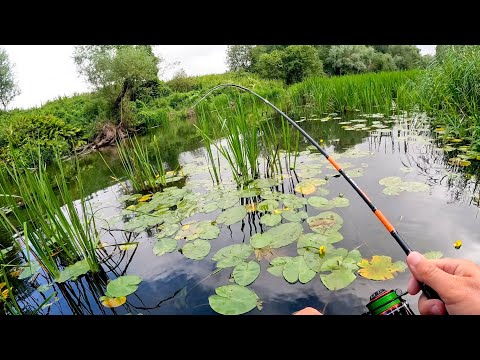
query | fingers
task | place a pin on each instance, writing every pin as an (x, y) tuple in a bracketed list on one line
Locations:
[(308, 311), (427, 272), (413, 286), (431, 306)]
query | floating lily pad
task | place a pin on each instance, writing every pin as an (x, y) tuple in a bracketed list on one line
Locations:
[(30, 269), (414, 186), (129, 246), (232, 255), (123, 286), (271, 219), (278, 236), (380, 268), (202, 229), (113, 302), (320, 202), (342, 265), (357, 172), (73, 271), (305, 188), (263, 183), (232, 215), (267, 205), (208, 207), (196, 250), (325, 223), (297, 270), (294, 216), (248, 193), (390, 181), (337, 279), (268, 194), (277, 265), (167, 230), (322, 192), (293, 202), (233, 300), (245, 273), (227, 201), (390, 190), (315, 240), (433, 255), (340, 202), (407, 169), (164, 245)]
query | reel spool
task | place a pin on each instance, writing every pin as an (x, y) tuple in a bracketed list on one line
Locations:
[(383, 302)]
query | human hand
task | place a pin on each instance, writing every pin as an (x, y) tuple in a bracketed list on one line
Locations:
[(456, 281), (308, 311)]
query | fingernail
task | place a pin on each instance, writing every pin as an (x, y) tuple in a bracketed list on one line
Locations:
[(436, 310), (414, 258)]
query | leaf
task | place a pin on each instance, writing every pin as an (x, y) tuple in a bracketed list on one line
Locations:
[(245, 273), (130, 246), (457, 244), (315, 240), (297, 270), (380, 268), (390, 190), (390, 181), (414, 186), (113, 302), (407, 169), (196, 250), (232, 255), (208, 207), (164, 245), (433, 255), (73, 271), (294, 216), (167, 230), (278, 236), (233, 300), (123, 286), (271, 219), (309, 186), (267, 205), (325, 223), (43, 288), (232, 215), (145, 198), (277, 265), (337, 279), (248, 193), (32, 268), (320, 202), (292, 202), (263, 183), (340, 202)]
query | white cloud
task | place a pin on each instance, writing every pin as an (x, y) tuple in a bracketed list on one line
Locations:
[(427, 49)]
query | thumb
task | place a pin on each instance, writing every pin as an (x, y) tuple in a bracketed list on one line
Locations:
[(427, 272)]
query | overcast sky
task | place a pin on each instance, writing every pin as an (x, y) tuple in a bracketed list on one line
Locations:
[(45, 72)]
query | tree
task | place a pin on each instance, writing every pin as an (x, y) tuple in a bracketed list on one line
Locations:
[(406, 57), (8, 86), (351, 59), (301, 61), (270, 65), (239, 57)]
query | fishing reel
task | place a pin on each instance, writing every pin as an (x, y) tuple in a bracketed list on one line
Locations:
[(383, 302)]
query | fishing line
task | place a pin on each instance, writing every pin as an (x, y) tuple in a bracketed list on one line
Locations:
[(428, 291)]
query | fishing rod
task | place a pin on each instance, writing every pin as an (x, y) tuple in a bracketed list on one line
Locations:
[(427, 290)]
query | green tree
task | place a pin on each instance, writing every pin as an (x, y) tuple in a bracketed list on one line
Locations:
[(406, 57), (351, 59), (239, 57), (301, 61), (118, 71), (8, 87), (270, 65)]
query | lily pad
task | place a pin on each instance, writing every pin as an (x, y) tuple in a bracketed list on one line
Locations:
[(433, 255), (293, 202), (164, 245), (232, 215), (208, 207), (342, 265), (196, 250), (297, 270), (202, 229), (73, 271), (278, 236), (233, 300), (391, 190), (340, 202), (227, 201), (263, 183), (390, 181), (414, 186), (271, 219), (337, 279), (325, 223), (294, 216), (315, 240), (248, 193), (167, 230), (322, 192), (113, 302), (30, 269), (407, 169), (267, 205), (232, 255), (320, 202), (277, 265), (380, 268), (123, 286), (245, 273), (128, 246)]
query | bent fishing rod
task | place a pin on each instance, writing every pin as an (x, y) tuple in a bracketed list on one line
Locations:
[(427, 290)]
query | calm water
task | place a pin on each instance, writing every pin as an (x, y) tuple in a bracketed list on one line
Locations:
[(173, 284)]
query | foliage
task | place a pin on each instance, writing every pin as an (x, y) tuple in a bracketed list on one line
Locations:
[(8, 87), (239, 57)]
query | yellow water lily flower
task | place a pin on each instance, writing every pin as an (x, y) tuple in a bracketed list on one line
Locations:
[(5, 293), (145, 198), (322, 250), (457, 244)]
